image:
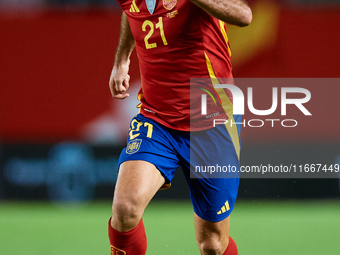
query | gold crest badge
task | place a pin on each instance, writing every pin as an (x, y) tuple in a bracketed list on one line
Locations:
[(133, 146), (169, 4), (116, 251)]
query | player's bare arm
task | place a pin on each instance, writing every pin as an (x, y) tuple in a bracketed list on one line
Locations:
[(119, 79), (234, 12)]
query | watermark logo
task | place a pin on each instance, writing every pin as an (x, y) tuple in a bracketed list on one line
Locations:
[(239, 105)]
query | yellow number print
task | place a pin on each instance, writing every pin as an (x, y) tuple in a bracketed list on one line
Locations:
[(135, 128), (159, 26), (146, 38), (150, 129)]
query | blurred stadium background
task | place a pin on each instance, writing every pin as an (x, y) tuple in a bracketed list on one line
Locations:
[(61, 133)]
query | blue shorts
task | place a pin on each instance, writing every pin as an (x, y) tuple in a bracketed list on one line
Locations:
[(213, 192)]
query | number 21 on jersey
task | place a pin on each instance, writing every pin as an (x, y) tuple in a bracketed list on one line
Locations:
[(135, 126), (159, 25)]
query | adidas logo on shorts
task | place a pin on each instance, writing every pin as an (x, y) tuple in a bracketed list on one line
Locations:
[(224, 208)]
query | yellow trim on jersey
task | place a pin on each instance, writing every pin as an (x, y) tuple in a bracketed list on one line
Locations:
[(139, 106), (224, 33), (227, 107)]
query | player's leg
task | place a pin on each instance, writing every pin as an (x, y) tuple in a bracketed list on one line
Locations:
[(146, 164), (213, 178), (137, 183), (213, 201), (213, 237)]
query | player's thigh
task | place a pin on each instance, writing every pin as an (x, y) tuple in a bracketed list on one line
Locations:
[(147, 162), (213, 188), (212, 233), (138, 181)]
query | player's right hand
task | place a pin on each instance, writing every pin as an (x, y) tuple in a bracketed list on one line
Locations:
[(119, 81)]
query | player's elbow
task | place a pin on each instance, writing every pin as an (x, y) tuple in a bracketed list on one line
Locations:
[(243, 17), (246, 17)]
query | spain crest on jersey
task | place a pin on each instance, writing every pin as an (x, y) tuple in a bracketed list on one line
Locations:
[(133, 146), (169, 4)]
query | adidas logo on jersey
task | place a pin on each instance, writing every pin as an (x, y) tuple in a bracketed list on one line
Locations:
[(224, 208), (134, 7)]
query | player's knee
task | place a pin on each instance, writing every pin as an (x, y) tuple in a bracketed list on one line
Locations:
[(126, 211), (211, 246)]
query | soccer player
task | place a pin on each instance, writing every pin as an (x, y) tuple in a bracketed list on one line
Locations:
[(176, 40)]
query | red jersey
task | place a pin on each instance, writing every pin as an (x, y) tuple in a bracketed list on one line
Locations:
[(175, 43)]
